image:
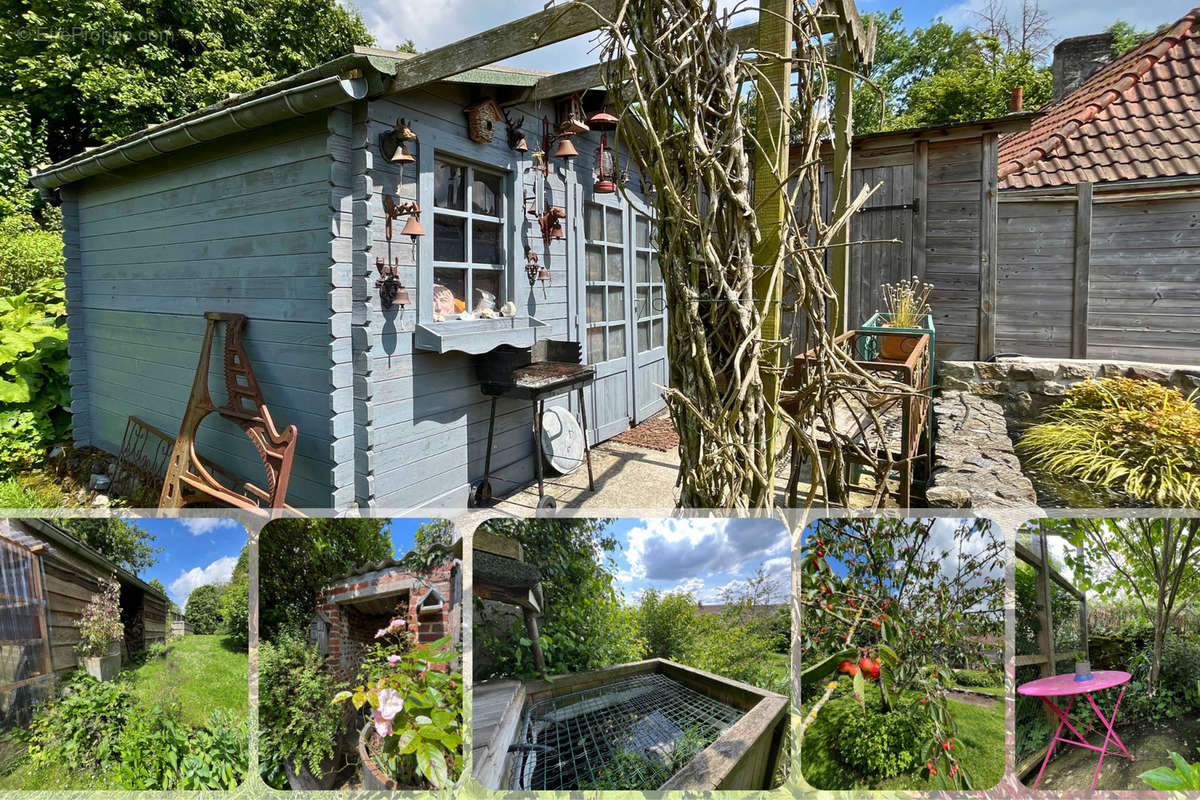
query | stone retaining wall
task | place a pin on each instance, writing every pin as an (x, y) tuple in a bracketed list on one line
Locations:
[(974, 465), (1026, 386)]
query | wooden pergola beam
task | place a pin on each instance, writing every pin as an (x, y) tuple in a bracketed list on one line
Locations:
[(555, 24)]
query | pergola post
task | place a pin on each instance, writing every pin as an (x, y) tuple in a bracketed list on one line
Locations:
[(774, 86), (843, 134)]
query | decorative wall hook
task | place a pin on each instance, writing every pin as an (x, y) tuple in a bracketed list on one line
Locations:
[(391, 291), (534, 271), (394, 209), (550, 222)]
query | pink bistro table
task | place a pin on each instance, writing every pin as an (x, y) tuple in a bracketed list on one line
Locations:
[(1067, 686)]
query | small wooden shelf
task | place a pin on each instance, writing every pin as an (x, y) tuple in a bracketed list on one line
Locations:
[(476, 336)]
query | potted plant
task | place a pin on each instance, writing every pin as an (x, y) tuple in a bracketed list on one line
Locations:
[(907, 306), (413, 739), (298, 727), (101, 632)]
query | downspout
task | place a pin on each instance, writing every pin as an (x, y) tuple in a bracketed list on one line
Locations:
[(276, 107)]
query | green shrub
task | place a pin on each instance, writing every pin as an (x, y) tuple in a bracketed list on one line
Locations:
[(34, 375), (82, 727), (1184, 778), (734, 644), (100, 623), (296, 717), (157, 650), (1124, 441), (28, 253), (879, 745), (976, 677), (235, 611), (666, 623)]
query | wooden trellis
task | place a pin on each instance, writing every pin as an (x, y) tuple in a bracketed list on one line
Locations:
[(1038, 557)]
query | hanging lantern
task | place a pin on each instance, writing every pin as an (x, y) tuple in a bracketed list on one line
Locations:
[(606, 168), (566, 149), (602, 121)]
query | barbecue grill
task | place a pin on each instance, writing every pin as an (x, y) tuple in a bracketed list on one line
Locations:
[(548, 369)]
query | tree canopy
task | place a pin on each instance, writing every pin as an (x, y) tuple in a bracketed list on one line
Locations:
[(76, 73), (203, 609), (117, 539), (299, 557)]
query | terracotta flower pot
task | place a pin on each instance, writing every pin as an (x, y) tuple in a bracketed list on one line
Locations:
[(896, 347), (298, 776), (368, 772)]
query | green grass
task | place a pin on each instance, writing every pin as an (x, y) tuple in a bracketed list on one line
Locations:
[(202, 672), (981, 731)]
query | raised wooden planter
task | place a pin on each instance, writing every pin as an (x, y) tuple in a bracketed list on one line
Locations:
[(744, 756)]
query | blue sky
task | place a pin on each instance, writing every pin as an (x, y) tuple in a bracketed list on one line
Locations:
[(195, 551), (700, 556), (433, 24), (200, 550)]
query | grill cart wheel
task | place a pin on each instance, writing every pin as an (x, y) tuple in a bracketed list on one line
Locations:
[(483, 494), (547, 503)]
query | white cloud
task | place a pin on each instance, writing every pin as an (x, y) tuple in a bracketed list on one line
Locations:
[(202, 525), (219, 571), (677, 549)]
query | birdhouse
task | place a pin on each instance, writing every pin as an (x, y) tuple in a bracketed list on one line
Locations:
[(481, 120), (572, 118)]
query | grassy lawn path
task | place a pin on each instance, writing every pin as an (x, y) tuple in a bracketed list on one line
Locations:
[(205, 672)]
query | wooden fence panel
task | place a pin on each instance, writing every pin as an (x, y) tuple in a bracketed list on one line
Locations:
[(1036, 269)]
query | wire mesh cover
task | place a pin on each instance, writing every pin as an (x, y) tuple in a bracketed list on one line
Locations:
[(629, 734)]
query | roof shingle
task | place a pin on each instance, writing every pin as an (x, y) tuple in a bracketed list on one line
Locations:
[(1138, 117)]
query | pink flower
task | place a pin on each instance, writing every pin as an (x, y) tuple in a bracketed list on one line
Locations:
[(382, 726), (393, 626), (394, 660)]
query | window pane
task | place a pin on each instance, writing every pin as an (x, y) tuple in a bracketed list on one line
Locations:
[(643, 336), (595, 342), (613, 228), (593, 222), (657, 306), (449, 289), (485, 243), (616, 342), (643, 302), (642, 231), (655, 270), (485, 194), (449, 238), (485, 281), (595, 263), (616, 305), (643, 268), (616, 266), (449, 186), (658, 333), (595, 304)]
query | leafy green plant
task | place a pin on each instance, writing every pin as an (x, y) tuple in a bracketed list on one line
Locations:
[(83, 726), (416, 708), (666, 623), (156, 650), (1126, 441), (34, 374), (295, 716), (28, 253), (880, 745), (976, 677), (100, 622), (907, 302), (1184, 778)]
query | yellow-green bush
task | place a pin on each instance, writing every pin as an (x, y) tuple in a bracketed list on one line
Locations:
[(1123, 441), (28, 253)]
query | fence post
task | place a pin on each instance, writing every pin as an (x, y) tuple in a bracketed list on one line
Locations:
[(988, 246), (1083, 263)]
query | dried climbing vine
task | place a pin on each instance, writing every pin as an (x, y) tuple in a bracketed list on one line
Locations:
[(682, 88)]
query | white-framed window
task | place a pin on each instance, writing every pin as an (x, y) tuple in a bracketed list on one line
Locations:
[(604, 236), (469, 214), (650, 305)]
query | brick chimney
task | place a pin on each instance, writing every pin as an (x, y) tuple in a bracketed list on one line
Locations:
[(1075, 60)]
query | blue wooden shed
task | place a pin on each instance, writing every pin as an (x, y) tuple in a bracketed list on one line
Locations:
[(272, 205)]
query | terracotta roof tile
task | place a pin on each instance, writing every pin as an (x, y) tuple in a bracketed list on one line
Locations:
[(1138, 117)]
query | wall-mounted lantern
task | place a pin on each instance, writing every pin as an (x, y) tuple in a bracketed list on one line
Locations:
[(392, 143), (394, 209), (481, 120), (391, 290), (606, 168)]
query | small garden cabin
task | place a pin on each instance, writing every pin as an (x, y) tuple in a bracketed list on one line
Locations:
[(377, 245), (47, 577)]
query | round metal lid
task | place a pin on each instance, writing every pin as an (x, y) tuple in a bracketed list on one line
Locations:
[(562, 440)]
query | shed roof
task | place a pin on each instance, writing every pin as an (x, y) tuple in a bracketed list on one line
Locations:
[(1136, 118), (56, 535)]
